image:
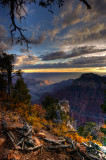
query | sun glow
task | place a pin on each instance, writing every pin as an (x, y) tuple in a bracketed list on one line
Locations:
[(90, 69)]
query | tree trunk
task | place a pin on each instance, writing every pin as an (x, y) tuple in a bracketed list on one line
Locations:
[(9, 82)]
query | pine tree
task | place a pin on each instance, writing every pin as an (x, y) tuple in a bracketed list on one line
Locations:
[(21, 92), (6, 68)]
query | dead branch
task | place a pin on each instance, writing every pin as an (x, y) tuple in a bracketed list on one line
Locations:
[(26, 136), (47, 127), (93, 157), (15, 7), (54, 141), (58, 147)]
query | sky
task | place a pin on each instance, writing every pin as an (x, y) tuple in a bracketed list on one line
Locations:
[(73, 39)]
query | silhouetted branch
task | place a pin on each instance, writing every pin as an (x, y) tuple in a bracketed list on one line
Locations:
[(16, 6)]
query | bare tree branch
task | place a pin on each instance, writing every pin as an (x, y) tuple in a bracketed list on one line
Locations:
[(16, 6)]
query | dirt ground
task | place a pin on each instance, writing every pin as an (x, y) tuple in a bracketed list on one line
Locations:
[(7, 151)]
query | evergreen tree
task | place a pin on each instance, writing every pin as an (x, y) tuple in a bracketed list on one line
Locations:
[(21, 92), (50, 105), (6, 68), (3, 85), (103, 106)]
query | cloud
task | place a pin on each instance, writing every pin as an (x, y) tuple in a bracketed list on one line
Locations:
[(98, 8), (85, 50), (85, 35), (23, 50), (21, 11), (3, 31), (4, 40), (83, 26), (75, 52), (53, 56), (23, 60), (94, 61), (82, 62), (74, 12), (38, 41), (52, 33), (71, 13)]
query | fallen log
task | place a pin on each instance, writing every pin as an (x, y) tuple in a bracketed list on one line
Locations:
[(70, 141), (27, 143), (93, 157), (86, 156), (58, 147), (54, 141), (9, 133), (32, 148)]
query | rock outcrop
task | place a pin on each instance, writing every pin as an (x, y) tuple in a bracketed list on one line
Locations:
[(85, 95)]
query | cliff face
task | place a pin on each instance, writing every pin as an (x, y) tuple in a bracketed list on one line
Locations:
[(85, 96)]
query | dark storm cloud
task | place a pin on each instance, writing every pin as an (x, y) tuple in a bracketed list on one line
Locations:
[(74, 53)]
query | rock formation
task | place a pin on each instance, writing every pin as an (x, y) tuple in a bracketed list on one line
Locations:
[(85, 95)]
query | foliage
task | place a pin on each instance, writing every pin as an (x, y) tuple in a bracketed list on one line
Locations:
[(21, 92), (3, 83), (86, 129), (6, 68), (103, 106), (91, 129), (62, 130), (50, 105), (103, 130), (33, 114), (19, 73)]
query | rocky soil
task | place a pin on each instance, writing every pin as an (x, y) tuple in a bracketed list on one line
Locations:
[(8, 152)]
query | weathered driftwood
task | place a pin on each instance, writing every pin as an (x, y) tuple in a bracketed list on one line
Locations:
[(56, 142)]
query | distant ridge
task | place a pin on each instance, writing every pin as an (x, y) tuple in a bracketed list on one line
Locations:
[(85, 95)]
